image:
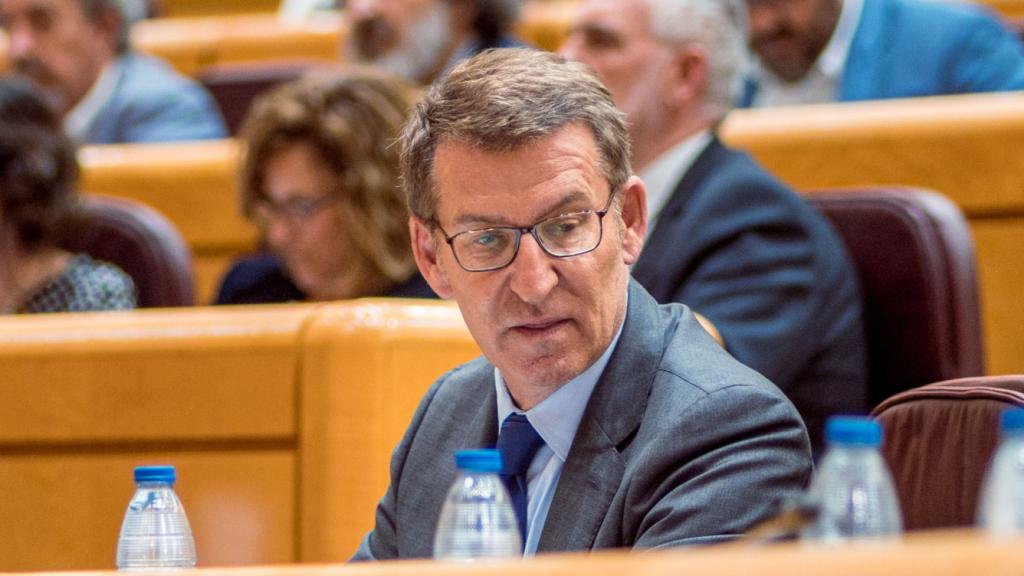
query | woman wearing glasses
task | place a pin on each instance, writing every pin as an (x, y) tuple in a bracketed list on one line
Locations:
[(320, 178)]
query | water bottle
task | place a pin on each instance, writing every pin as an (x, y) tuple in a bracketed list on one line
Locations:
[(1001, 510), (477, 520), (155, 534), (853, 488)]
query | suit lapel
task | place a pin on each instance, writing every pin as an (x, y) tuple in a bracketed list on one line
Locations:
[(480, 411), (870, 53), (667, 234), (594, 469)]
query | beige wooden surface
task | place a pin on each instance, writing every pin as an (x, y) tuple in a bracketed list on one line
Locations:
[(85, 397), (193, 184), (367, 369), (280, 418), (970, 148), (940, 554)]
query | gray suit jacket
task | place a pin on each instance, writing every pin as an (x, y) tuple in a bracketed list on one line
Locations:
[(153, 103), (680, 444)]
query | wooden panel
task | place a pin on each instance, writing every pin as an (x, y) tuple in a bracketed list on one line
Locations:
[(545, 23), (152, 375), (1008, 8), (934, 554), (968, 147), (64, 511), (366, 367), (189, 44), (999, 244), (193, 184), (179, 8)]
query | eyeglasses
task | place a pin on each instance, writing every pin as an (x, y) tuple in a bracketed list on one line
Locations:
[(294, 210), (562, 236)]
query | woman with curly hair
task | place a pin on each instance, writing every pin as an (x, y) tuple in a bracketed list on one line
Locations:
[(320, 178)]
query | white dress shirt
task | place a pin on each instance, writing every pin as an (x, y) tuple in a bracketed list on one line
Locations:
[(78, 121)]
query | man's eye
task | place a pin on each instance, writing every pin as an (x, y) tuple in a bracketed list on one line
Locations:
[(561, 227)]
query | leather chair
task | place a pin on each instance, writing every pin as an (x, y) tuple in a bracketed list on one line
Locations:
[(914, 256), (139, 240), (236, 86), (939, 439)]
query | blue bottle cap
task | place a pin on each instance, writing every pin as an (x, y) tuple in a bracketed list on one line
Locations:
[(853, 431), (1013, 422), (485, 460), (155, 474)]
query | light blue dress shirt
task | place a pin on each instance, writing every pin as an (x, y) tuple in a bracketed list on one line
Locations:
[(556, 419)]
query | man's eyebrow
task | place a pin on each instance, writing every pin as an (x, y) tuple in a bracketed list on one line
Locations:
[(491, 220)]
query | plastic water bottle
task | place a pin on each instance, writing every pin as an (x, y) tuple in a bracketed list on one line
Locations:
[(1001, 510), (477, 520), (853, 487), (155, 534)]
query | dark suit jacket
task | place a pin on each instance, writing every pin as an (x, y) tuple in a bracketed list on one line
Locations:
[(739, 247), (907, 48), (261, 279), (679, 444)]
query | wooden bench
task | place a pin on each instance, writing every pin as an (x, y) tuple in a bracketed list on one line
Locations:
[(967, 147), (280, 419)]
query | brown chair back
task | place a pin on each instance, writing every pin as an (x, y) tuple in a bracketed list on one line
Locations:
[(939, 439), (914, 257), (235, 86), (140, 241)]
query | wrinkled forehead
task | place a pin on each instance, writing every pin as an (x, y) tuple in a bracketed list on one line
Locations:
[(537, 179)]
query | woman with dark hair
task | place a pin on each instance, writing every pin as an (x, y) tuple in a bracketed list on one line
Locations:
[(320, 178), (38, 171)]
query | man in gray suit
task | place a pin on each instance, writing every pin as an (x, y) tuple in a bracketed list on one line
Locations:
[(77, 53), (525, 211)]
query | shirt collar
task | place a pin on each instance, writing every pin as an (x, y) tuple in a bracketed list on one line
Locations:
[(832, 59), (78, 121), (661, 176), (558, 416)]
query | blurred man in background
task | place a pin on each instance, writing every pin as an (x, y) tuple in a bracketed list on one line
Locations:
[(726, 238), (420, 39), (840, 50), (77, 53)]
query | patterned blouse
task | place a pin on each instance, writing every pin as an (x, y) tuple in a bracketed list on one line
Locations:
[(84, 285)]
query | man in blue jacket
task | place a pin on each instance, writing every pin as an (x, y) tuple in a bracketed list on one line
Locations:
[(842, 50), (76, 52)]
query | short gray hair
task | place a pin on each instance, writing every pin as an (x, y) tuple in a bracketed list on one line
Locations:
[(130, 11), (720, 27), (501, 100)]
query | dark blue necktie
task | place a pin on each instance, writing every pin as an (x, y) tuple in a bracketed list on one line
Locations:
[(518, 442)]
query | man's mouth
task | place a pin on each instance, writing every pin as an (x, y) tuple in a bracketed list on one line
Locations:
[(539, 327)]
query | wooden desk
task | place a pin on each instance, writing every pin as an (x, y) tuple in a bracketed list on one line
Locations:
[(937, 554), (967, 147), (281, 420)]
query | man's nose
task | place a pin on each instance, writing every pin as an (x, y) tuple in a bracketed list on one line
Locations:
[(760, 17), (362, 9), (533, 274), (278, 232), (572, 48), (20, 42)]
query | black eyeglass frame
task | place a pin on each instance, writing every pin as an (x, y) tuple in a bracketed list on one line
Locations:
[(532, 231)]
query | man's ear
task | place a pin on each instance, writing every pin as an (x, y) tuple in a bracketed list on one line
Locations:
[(634, 218), (687, 76), (109, 23), (424, 249)]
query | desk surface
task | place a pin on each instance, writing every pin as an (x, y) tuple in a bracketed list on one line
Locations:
[(956, 553)]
